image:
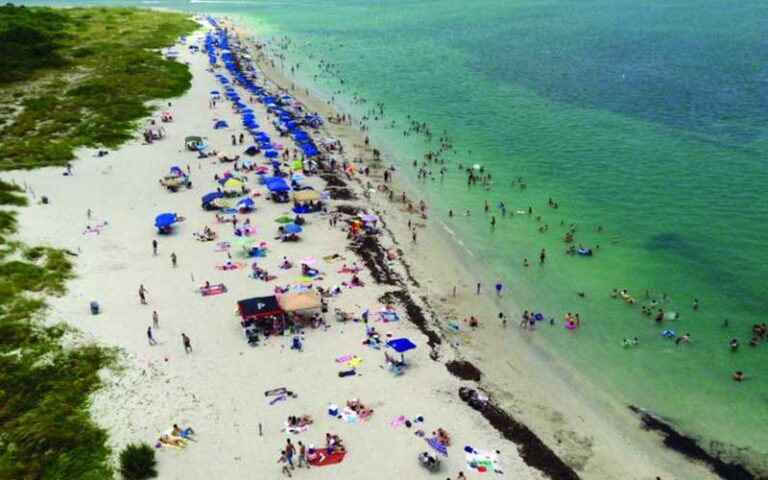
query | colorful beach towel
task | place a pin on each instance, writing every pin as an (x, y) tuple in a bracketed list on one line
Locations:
[(344, 358), (217, 289), (350, 416), (483, 461), (321, 457)]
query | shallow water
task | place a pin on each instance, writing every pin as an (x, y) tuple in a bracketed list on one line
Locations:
[(647, 118)]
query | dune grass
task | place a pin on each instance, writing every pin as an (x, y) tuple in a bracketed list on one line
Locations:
[(81, 77), (70, 78)]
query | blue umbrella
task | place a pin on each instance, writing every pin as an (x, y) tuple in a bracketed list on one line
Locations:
[(245, 203), (165, 220), (437, 446), (292, 228), (401, 345), (215, 92), (209, 197), (270, 154)]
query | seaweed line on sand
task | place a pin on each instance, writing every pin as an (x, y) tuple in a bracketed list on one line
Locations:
[(688, 447)]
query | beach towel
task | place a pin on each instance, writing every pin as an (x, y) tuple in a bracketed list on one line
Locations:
[(333, 258), (321, 457), (353, 362), (387, 317), (230, 266), (398, 421), (217, 289), (482, 461), (223, 246), (350, 416), (295, 429), (347, 373), (279, 398), (344, 358)]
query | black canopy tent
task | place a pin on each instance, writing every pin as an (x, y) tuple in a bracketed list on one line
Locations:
[(258, 307)]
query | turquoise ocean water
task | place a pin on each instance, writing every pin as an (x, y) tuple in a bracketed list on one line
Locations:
[(647, 118)]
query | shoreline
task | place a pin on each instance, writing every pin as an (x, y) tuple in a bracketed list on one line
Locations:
[(420, 308), (712, 459)]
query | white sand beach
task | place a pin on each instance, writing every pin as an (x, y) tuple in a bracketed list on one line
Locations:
[(219, 388)]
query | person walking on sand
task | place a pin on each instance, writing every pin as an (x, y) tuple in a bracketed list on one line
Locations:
[(150, 337), (187, 343), (477, 292), (88, 213), (173, 259), (413, 235), (143, 294), (289, 452), (155, 319), (303, 455), (284, 461), (154, 247)]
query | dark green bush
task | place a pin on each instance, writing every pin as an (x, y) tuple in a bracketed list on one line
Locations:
[(137, 462)]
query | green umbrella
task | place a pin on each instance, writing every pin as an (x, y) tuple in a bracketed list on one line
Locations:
[(284, 219), (244, 241)]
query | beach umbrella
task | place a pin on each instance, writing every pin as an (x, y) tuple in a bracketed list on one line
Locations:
[(292, 228), (284, 219), (245, 203), (437, 446), (215, 92), (220, 203), (232, 184), (401, 345), (368, 217), (270, 154), (165, 220)]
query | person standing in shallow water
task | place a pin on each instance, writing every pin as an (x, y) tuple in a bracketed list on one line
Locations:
[(542, 256)]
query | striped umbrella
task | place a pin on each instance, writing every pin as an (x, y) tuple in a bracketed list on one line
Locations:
[(437, 446)]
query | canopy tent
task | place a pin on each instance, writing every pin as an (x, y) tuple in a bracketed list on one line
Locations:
[(258, 307), (299, 301), (220, 124), (307, 196), (401, 345)]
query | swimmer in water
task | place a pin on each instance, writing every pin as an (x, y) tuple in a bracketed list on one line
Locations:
[(635, 342), (734, 345), (525, 262), (684, 339), (738, 375)]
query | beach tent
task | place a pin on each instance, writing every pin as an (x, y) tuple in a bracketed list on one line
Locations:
[(299, 301), (401, 345), (220, 124), (307, 196), (252, 150), (210, 197), (193, 142), (258, 307)]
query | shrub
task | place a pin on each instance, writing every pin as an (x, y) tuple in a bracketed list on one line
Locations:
[(137, 462)]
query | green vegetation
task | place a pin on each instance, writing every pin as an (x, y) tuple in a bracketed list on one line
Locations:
[(81, 77), (69, 78), (137, 462)]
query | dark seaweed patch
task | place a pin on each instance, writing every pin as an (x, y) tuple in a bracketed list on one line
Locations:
[(464, 370), (691, 449)]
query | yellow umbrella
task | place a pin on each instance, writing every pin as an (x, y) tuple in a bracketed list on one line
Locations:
[(297, 165), (232, 184)]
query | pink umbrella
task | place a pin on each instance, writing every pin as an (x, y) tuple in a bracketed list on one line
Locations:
[(308, 260)]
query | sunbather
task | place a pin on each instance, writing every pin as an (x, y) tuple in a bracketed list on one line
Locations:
[(443, 437), (185, 433), (173, 442)]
